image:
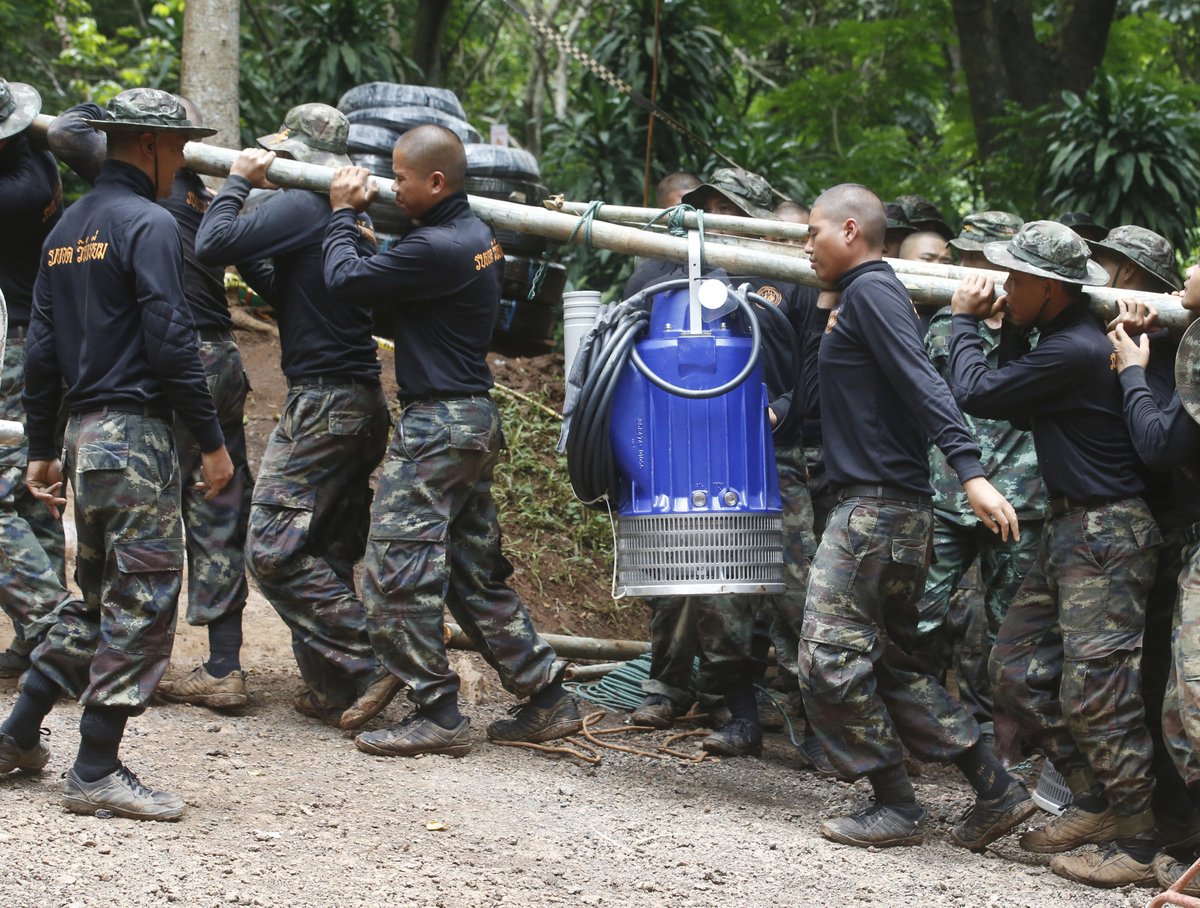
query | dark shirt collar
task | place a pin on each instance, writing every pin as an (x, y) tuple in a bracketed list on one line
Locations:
[(118, 173), (452, 206), (843, 280), (1068, 316), (17, 146)]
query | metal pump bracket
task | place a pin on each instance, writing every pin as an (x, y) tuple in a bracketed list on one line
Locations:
[(695, 276)]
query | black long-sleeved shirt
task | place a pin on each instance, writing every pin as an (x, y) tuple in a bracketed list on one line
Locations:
[(82, 147), (30, 206), (881, 400), (318, 336), (793, 401), (441, 288), (1165, 438), (109, 319), (1067, 390)]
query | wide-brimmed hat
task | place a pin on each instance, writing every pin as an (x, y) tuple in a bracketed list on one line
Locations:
[(748, 191), (19, 104), (149, 110), (1083, 224), (1048, 249), (312, 133), (986, 227), (1152, 253), (922, 214)]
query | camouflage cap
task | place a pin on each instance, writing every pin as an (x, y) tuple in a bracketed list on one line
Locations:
[(1146, 249), (19, 104), (149, 110), (312, 133), (896, 218), (1081, 222), (1048, 249), (748, 191), (985, 227), (922, 214)]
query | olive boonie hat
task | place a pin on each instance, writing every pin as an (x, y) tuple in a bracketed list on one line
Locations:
[(748, 191), (19, 104), (896, 218), (312, 133), (149, 110), (1081, 222), (1146, 249), (986, 227), (922, 214), (1048, 249)]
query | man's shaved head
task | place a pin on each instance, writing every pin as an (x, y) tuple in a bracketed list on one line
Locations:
[(429, 148), (855, 201), (673, 187)]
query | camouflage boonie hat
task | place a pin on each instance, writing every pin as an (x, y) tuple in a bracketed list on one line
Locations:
[(149, 110), (1146, 249), (748, 191), (922, 214), (19, 104), (986, 227), (1081, 222), (312, 133), (896, 218), (1048, 249)]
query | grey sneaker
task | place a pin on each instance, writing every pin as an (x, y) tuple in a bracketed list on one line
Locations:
[(309, 703), (30, 759), (740, 738), (880, 825), (416, 735), (13, 664), (987, 821), (121, 794), (656, 711), (1167, 872), (538, 724)]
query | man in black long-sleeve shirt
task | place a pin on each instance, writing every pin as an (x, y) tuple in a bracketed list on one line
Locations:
[(111, 269), (1067, 659), (308, 521), (881, 402), (32, 571), (435, 538), (215, 527)]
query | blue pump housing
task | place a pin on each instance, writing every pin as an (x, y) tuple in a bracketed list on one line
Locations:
[(699, 507)]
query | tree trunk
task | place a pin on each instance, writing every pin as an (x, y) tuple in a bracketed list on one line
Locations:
[(429, 24), (209, 67), (1004, 61)]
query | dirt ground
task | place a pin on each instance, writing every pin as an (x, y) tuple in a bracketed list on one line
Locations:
[(285, 812)]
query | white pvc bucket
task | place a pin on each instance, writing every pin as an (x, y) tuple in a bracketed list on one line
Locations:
[(580, 308)]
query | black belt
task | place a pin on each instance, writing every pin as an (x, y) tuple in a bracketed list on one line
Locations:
[(891, 493), (331, 381), (17, 332), (153, 411), (215, 335), (1063, 504), (406, 399)]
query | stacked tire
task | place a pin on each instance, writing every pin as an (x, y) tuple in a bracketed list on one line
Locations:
[(381, 112)]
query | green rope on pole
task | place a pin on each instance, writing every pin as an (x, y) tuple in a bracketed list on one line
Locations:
[(676, 226), (586, 220)]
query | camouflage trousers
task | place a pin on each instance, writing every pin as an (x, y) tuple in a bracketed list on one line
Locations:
[(216, 529), (1067, 660), (865, 695), (435, 544), (33, 553), (308, 526), (1181, 705), (960, 630), (111, 647), (673, 649), (786, 611)]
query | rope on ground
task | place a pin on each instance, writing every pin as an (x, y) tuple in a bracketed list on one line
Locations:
[(526, 399)]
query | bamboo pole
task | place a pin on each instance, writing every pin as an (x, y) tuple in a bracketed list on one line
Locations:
[(726, 223), (928, 284), (565, 646)]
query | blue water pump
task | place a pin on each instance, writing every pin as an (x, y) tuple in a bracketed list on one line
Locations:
[(692, 470)]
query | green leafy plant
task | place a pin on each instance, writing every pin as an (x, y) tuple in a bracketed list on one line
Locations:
[(1127, 152)]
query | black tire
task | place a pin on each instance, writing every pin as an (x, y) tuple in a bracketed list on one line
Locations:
[(395, 94), (525, 328), (402, 119), (501, 161), (371, 140), (519, 275), (387, 218), (523, 192), (380, 165)]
